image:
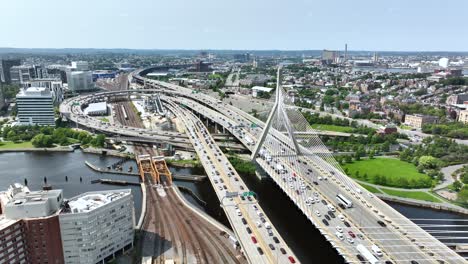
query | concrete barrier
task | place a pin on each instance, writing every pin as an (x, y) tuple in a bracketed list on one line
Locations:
[(413, 202), (143, 207)]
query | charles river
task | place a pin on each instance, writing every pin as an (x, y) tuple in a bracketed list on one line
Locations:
[(298, 232)]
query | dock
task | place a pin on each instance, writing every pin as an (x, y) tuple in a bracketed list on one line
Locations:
[(115, 182)]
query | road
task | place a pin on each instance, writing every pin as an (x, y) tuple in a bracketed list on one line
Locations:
[(259, 239)]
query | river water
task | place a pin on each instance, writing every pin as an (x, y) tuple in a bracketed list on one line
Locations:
[(308, 244)]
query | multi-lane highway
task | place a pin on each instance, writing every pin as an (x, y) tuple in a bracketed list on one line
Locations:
[(313, 185), (258, 237)]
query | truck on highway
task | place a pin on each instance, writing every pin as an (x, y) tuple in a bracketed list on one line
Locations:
[(249, 140), (344, 201), (280, 169), (367, 254)]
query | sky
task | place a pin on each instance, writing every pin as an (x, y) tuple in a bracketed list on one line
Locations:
[(391, 25)]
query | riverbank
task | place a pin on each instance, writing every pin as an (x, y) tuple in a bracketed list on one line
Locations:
[(418, 203), (57, 149)]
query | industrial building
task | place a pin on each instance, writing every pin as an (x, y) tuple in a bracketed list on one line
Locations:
[(35, 106), (107, 218), (258, 90), (96, 109)]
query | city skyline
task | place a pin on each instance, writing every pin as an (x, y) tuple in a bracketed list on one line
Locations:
[(303, 25)]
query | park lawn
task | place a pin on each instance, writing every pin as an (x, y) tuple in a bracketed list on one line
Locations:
[(417, 195), (343, 129), (393, 170), (370, 188), (104, 119), (13, 145)]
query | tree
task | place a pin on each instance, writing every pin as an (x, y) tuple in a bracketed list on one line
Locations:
[(457, 185), (371, 154), (429, 162), (42, 141)]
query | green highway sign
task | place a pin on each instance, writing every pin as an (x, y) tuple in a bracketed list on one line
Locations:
[(245, 194)]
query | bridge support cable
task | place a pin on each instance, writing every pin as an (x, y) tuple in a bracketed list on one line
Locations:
[(287, 133)]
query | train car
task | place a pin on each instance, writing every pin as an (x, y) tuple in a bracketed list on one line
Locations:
[(124, 112)]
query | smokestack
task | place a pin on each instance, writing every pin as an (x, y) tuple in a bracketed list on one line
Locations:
[(345, 52)]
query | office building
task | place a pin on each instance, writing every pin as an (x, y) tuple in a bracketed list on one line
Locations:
[(418, 120), (244, 57), (55, 85), (12, 242), (80, 81), (2, 98), (80, 65), (39, 212), (22, 74), (94, 226), (35, 106), (6, 65)]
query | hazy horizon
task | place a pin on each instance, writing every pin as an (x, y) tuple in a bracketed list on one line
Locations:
[(242, 25)]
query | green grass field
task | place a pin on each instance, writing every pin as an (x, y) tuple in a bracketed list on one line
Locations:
[(397, 173), (371, 189), (12, 145), (413, 195), (343, 129)]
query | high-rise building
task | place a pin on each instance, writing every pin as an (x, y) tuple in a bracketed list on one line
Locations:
[(41, 227), (22, 74), (80, 65), (80, 81), (2, 98), (35, 106), (12, 241), (6, 65), (96, 225), (39, 212)]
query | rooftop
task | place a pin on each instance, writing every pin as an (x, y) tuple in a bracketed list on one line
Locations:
[(5, 222), (96, 107), (90, 201), (34, 91)]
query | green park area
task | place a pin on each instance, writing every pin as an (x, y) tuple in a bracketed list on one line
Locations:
[(344, 129), (417, 195), (13, 145), (370, 188), (388, 172)]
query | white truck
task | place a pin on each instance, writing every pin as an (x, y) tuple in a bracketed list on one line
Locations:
[(280, 169), (367, 254)]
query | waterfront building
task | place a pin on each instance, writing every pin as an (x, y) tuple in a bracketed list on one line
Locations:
[(38, 211), (418, 120), (35, 106), (12, 242), (97, 225)]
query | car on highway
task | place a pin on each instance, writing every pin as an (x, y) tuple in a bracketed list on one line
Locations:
[(346, 224), (339, 235), (249, 231), (260, 251), (325, 222), (351, 234), (244, 221), (339, 229), (291, 259), (350, 240), (254, 239), (382, 224), (327, 217), (271, 246), (283, 251), (276, 240), (317, 213)]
